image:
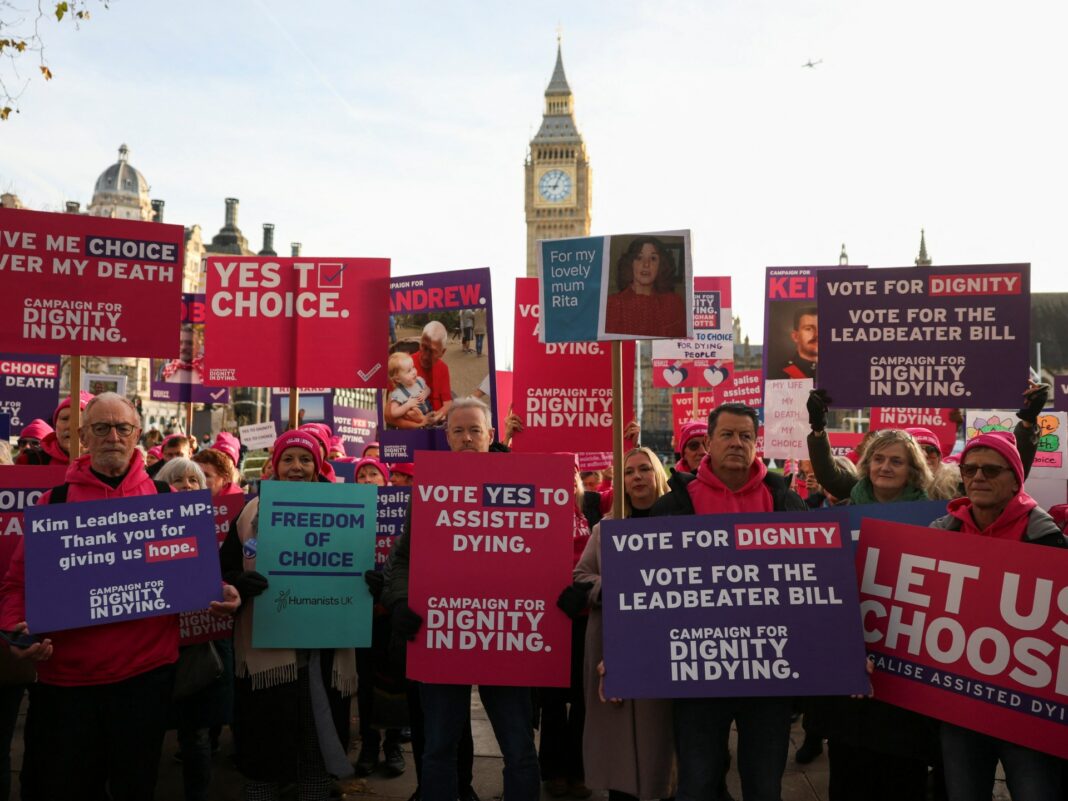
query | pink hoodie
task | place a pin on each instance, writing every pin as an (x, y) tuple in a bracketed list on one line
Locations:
[(1010, 525), (712, 496)]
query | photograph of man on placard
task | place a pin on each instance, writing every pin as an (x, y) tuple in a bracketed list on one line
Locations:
[(793, 342), (187, 368), (647, 286)]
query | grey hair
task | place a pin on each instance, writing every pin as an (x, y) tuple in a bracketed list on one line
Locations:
[(437, 332), (470, 403), (175, 469), (111, 396)]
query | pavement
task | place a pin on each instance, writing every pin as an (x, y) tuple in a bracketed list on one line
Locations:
[(800, 782)]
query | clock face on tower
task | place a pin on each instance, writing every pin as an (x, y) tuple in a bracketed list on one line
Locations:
[(554, 185)]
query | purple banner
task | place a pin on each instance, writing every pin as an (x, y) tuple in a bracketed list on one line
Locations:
[(356, 427), (181, 380), (99, 562), (731, 605), (925, 336), (458, 306), (312, 407), (31, 387), (1060, 393), (392, 505)]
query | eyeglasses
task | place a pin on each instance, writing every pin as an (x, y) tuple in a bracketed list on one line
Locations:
[(990, 471), (103, 429), (694, 444), (931, 450)]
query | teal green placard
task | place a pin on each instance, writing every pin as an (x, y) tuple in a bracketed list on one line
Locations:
[(315, 542)]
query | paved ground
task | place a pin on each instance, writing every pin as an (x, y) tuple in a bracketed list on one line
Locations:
[(800, 783)]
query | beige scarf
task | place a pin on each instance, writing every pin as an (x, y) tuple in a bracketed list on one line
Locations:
[(269, 667)]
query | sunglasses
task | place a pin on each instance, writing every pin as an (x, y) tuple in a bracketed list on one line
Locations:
[(694, 444), (931, 450), (990, 471)]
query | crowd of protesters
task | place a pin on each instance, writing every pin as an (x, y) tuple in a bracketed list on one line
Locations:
[(103, 696)]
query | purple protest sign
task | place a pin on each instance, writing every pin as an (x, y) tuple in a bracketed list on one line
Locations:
[(731, 605), (181, 380), (1060, 393), (356, 427), (31, 387), (453, 313), (99, 562), (930, 336), (392, 506)]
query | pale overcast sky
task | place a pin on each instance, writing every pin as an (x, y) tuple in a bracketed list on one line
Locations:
[(399, 129)]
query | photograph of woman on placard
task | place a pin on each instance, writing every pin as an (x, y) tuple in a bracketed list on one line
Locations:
[(650, 288)]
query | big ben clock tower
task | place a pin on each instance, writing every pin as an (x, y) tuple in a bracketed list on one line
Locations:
[(557, 172)]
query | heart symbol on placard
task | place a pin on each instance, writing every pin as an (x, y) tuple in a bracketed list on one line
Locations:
[(674, 375), (715, 375)]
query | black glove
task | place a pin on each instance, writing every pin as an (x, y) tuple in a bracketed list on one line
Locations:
[(818, 403), (249, 584), (574, 599), (375, 582), (405, 622), (1035, 401)]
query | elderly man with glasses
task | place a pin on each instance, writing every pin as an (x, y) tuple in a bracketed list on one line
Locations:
[(98, 710)]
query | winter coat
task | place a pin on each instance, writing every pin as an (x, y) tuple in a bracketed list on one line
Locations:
[(628, 747)]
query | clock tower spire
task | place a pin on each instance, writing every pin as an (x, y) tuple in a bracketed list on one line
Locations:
[(558, 187)]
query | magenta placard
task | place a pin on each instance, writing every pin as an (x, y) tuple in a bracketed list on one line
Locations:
[(935, 419), (491, 551), (314, 321), (562, 392), (971, 630), (82, 285)]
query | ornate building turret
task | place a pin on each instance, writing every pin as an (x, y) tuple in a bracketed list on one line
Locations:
[(121, 191), (558, 189)]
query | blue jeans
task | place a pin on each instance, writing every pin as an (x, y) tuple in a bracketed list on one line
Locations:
[(702, 728), (971, 758), (445, 710), (478, 343)]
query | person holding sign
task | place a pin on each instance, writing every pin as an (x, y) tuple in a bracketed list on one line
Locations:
[(290, 706), (627, 746), (996, 505), (98, 710), (446, 707), (730, 479), (646, 303)]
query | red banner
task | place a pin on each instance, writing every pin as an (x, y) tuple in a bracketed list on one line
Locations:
[(20, 487), (84, 285), (972, 630), (296, 321), (562, 392), (937, 420), (491, 550)]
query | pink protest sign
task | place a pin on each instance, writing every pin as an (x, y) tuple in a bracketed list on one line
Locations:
[(745, 387), (491, 550), (89, 285), (936, 420), (682, 410), (843, 443), (972, 630), (314, 321), (562, 391), (703, 361)]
